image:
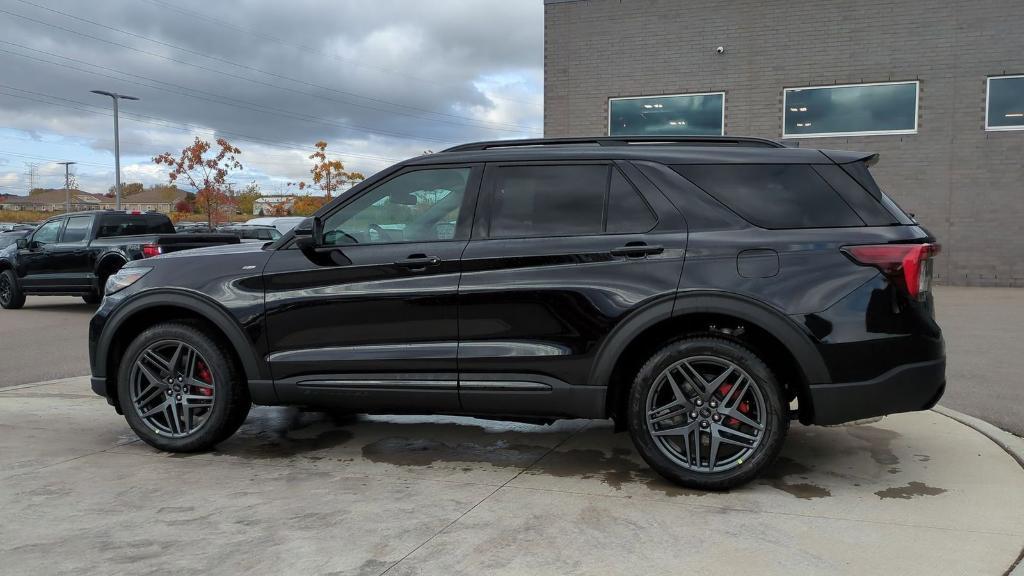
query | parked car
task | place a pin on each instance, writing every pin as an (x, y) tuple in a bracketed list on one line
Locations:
[(10, 237), (700, 291), (7, 226), (284, 224), (75, 253), (192, 228), (251, 233)]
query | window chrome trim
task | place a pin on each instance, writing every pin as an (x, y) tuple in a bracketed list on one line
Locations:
[(988, 98), (917, 109), (721, 130)]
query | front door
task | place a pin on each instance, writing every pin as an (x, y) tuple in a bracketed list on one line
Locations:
[(38, 263), (560, 254), (375, 327)]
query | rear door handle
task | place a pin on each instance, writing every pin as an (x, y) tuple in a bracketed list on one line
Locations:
[(637, 250), (418, 261)]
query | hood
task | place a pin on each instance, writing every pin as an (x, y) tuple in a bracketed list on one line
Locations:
[(240, 248)]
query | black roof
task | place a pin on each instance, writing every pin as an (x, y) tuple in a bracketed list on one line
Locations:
[(667, 150)]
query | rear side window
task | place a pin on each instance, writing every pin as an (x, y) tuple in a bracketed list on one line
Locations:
[(132, 224), (548, 201), (773, 195), (566, 200), (867, 207), (77, 230)]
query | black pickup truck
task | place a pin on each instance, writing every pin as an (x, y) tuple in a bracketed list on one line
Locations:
[(73, 254)]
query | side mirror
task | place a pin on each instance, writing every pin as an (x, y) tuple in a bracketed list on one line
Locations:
[(22, 243), (309, 234)]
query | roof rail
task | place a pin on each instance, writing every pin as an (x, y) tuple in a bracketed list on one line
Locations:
[(621, 141)]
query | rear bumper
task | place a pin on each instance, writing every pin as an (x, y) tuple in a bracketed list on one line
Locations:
[(905, 388)]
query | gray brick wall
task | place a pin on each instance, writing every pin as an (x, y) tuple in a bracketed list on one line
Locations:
[(965, 184)]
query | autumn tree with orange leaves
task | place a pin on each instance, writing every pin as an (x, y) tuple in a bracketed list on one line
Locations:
[(205, 172), (328, 175)]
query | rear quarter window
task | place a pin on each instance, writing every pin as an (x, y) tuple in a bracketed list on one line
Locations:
[(773, 195), (112, 225)]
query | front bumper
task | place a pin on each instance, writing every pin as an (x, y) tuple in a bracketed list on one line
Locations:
[(906, 388)]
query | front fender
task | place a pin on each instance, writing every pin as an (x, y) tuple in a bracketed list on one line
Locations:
[(255, 368)]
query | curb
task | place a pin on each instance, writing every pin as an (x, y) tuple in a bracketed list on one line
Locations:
[(1012, 445), (37, 384)]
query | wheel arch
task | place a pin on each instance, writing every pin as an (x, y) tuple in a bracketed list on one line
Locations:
[(784, 346), (163, 305), (108, 261)]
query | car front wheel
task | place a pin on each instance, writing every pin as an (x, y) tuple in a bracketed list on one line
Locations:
[(179, 389), (707, 413), (11, 296)]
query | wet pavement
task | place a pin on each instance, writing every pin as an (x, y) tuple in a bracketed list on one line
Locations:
[(298, 492)]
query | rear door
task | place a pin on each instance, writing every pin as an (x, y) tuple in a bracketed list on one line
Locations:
[(560, 254)]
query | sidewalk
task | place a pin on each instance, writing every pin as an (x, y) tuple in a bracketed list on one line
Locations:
[(297, 493)]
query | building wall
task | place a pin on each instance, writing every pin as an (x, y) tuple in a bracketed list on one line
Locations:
[(964, 184)]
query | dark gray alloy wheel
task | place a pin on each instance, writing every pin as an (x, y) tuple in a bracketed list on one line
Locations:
[(707, 413), (172, 388), (180, 389), (11, 296)]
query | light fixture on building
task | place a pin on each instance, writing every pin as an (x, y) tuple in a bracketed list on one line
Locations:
[(1015, 115), (792, 109), (803, 108), (677, 122)]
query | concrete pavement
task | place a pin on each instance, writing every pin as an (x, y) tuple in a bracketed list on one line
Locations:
[(45, 340), (302, 493)]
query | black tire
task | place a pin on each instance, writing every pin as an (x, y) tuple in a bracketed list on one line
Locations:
[(231, 402), (667, 457), (11, 296)]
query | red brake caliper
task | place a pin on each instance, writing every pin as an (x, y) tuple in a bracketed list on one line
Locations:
[(744, 406), (204, 375)]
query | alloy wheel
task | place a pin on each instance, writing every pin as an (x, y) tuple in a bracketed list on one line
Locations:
[(706, 414), (6, 290), (172, 388)]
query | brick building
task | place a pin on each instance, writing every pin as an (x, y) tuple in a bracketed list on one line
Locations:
[(935, 86)]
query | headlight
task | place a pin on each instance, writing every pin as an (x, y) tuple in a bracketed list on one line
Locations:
[(124, 278)]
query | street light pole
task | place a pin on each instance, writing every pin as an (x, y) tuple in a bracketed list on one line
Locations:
[(67, 185), (117, 146)]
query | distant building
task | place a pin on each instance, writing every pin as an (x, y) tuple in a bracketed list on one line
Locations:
[(55, 200), (273, 205)]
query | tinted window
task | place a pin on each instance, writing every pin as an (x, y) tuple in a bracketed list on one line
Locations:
[(693, 114), (419, 206), (866, 206), (130, 224), (47, 233), (77, 229), (773, 196), (1005, 103), (846, 110), (859, 172), (548, 201), (627, 211)]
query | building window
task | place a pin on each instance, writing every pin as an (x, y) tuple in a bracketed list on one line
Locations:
[(679, 115), (850, 110), (1004, 105)]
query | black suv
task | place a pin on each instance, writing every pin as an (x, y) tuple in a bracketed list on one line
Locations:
[(702, 292)]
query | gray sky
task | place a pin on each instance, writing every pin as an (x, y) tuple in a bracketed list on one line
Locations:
[(379, 80)]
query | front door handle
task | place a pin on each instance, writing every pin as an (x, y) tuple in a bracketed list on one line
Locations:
[(418, 261), (637, 250)]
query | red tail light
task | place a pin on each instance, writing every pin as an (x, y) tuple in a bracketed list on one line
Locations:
[(911, 262), (149, 250)]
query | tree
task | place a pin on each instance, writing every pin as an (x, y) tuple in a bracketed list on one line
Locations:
[(206, 172), (307, 205), (329, 175), (183, 206), (248, 196), (127, 189)]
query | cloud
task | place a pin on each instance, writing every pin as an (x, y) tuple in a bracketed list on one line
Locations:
[(379, 80)]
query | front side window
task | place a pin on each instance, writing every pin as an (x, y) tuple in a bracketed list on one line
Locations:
[(77, 230), (1005, 103), (418, 206), (683, 115), (851, 110), (48, 233)]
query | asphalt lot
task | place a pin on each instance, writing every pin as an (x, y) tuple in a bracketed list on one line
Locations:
[(984, 328)]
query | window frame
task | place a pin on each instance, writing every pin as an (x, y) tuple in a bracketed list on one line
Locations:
[(721, 93), (467, 212), (917, 111), (988, 100), (60, 230), (88, 233)]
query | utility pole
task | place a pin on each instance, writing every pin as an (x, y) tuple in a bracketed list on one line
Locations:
[(31, 173), (67, 185), (117, 148)]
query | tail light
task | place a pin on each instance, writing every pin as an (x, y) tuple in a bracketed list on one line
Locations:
[(150, 250), (911, 263)]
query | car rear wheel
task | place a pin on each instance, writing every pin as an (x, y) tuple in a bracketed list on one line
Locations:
[(707, 413), (11, 296), (180, 389)]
